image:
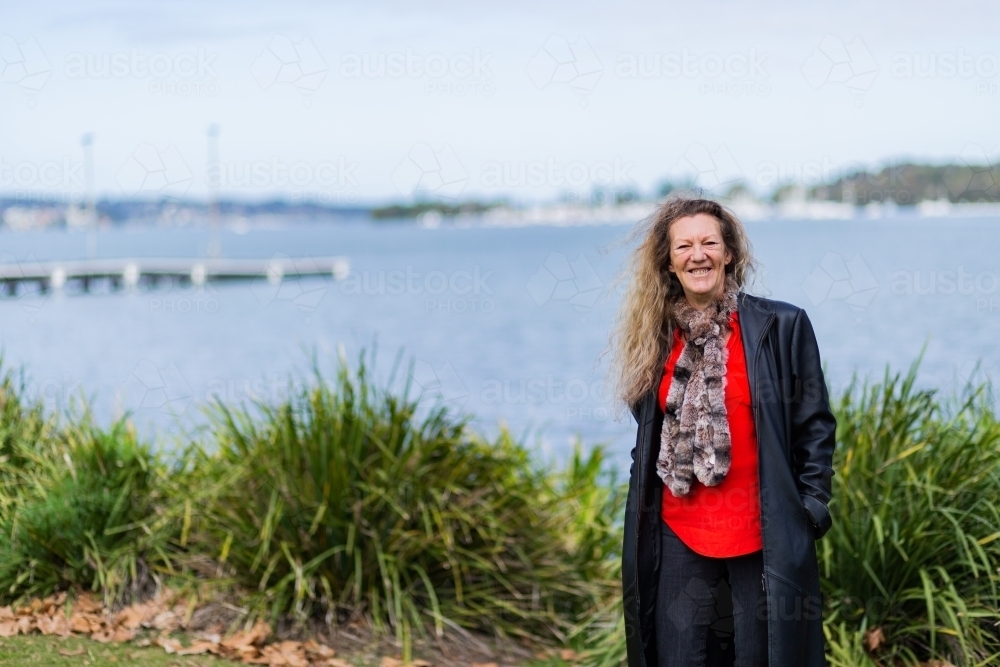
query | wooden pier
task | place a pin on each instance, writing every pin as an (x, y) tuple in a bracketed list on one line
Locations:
[(130, 273)]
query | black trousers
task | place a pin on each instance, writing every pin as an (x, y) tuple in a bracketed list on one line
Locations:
[(710, 612)]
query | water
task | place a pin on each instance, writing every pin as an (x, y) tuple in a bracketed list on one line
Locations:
[(506, 324)]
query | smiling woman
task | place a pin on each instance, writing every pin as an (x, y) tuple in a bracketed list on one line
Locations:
[(698, 257), (731, 471)]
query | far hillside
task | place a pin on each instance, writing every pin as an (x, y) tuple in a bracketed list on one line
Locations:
[(909, 184)]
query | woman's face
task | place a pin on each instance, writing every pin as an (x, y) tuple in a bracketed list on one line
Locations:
[(698, 257)]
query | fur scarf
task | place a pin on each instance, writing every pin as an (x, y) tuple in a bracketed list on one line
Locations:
[(694, 442)]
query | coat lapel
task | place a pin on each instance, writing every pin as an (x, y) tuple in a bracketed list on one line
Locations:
[(754, 320)]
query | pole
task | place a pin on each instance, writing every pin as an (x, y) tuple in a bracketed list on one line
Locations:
[(214, 180), (87, 141)]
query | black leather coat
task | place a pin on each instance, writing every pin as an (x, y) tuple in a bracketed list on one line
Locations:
[(795, 440)]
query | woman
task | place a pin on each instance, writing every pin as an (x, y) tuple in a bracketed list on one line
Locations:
[(732, 465)]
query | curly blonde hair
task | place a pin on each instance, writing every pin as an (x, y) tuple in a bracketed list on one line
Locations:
[(642, 335)]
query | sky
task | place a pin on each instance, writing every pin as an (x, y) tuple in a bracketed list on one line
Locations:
[(370, 102)]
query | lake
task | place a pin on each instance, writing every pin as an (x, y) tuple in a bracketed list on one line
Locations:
[(507, 324)]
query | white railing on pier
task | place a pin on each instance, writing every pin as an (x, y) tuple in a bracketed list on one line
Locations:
[(130, 272)]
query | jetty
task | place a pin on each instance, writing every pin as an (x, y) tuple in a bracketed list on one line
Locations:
[(149, 272)]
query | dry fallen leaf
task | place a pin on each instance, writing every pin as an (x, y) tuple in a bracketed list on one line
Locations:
[(316, 650), (396, 662), (8, 628), (291, 654), (568, 654), (199, 647), (169, 645), (54, 625), (87, 604), (874, 638), (484, 664), (167, 613), (133, 616), (103, 636), (336, 662), (246, 638), (25, 624), (122, 635), (166, 621)]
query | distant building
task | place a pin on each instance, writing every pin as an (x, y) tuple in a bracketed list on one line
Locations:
[(23, 218)]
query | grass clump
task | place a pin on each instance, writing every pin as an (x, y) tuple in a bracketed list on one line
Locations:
[(915, 545), (24, 428), (348, 501), (80, 505), (87, 518)]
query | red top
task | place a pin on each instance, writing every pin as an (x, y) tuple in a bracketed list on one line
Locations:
[(721, 521)]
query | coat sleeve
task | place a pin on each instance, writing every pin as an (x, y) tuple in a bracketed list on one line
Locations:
[(814, 428)]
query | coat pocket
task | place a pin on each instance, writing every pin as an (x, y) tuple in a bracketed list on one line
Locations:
[(787, 601)]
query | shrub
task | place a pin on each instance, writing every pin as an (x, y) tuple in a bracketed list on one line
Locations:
[(346, 500), (81, 505), (915, 543), (24, 427)]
